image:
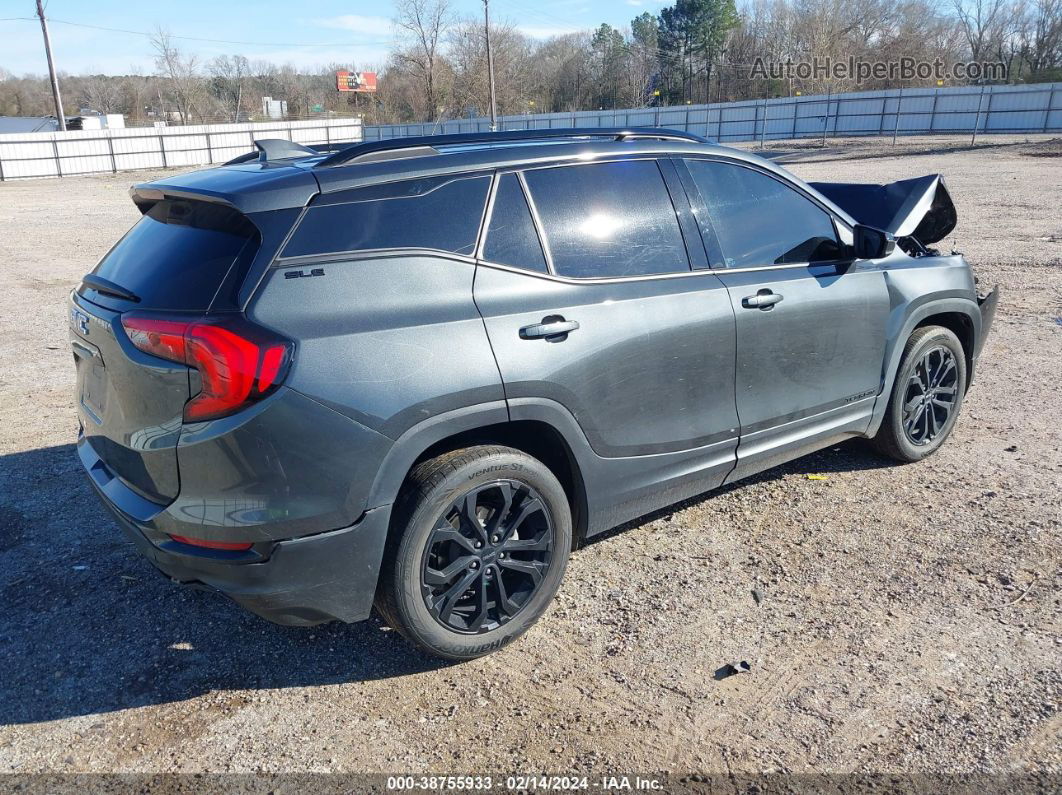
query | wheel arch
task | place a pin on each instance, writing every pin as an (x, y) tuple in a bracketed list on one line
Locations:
[(541, 441), (961, 325), (960, 315), (486, 424)]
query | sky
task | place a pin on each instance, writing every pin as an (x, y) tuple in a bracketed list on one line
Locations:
[(305, 33)]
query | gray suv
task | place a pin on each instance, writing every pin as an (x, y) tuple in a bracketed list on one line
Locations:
[(417, 373)]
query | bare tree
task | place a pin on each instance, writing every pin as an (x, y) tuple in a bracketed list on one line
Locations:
[(561, 72), (182, 72), (424, 24), (981, 22), (1045, 50), (293, 88), (229, 77), (512, 68), (643, 58), (136, 88), (101, 93), (25, 96)]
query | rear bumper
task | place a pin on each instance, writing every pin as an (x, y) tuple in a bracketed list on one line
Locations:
[(300, 581)]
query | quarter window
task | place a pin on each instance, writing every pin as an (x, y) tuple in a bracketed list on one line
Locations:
[(511, 236), (608, 219), (441, 214), (761, 221)]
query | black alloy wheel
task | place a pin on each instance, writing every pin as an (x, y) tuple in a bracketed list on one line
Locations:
[(931, 395), (487, 555), (926, 395)]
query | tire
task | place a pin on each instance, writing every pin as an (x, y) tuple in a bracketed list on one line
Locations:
[(914, 428), (434, 575)]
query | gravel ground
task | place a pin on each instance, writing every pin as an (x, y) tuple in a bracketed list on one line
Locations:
[(909, 620)]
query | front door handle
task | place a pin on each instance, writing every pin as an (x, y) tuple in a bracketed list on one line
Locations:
[(550, 327), (764, 299)]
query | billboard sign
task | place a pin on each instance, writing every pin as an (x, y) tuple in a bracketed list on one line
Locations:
[(360, 82)]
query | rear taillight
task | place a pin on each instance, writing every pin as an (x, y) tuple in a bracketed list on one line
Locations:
[(238, 361)]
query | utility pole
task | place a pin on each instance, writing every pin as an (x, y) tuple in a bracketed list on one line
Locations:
[(826, 118), (51, 69), (490, 68)]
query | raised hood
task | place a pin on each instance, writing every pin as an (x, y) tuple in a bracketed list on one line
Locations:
[(920, 208)]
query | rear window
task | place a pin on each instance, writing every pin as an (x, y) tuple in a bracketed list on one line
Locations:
[(177, 255), (442, 214)]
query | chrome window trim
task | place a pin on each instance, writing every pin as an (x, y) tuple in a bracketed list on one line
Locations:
[(597, 160), (537, 220), (488, 215), (394, 253), (648, 277), (371, 253)]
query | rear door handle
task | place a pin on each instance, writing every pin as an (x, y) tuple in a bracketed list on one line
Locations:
[(549, 327), (764, 299)]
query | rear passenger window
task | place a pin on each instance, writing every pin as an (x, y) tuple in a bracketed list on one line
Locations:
[(760, 220), (441, 214), (511, 236), (608, 219)]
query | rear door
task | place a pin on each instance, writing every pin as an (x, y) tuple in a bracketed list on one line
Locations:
[(130, 404), (607, 318), (810, 322)]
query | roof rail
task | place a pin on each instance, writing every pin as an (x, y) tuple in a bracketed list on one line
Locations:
[(416, 146)]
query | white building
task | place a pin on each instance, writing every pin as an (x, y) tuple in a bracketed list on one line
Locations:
[(274, 108)]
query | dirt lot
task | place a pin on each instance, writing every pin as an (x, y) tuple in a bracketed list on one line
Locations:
[(910, 619)]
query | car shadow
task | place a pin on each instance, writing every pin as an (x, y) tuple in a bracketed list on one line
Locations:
[(90, 627), (853, 455)]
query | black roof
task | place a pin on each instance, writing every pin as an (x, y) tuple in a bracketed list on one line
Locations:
[(431, 143), (256, 182)]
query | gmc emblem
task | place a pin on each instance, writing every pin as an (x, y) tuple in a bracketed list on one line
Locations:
[(80, 321)]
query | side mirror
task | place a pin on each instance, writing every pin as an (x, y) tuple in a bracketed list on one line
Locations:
[(871, 243)]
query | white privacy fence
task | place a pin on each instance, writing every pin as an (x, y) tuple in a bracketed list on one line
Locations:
[(57, 154), (973, 110)]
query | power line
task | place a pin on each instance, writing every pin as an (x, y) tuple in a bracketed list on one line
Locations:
[(542, 18), (212, 41)]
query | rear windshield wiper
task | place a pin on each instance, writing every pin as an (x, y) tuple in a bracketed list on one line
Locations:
[(107, 287)]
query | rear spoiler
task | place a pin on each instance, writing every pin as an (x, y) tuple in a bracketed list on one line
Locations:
[(249, 190), (920, 208)]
